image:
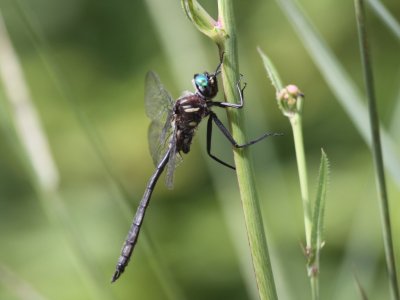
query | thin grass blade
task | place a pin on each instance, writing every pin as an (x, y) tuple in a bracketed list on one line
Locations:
[(33, 147), (319, 207), (18, 286), (123, 198), (271, 71), (377, 148), (313, 264), (360, 288), (344, 88), (386, 17)]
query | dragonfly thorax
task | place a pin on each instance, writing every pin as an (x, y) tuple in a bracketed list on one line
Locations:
[(188, 113)]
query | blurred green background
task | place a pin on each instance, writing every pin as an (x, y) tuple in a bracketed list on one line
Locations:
[(84, 63)]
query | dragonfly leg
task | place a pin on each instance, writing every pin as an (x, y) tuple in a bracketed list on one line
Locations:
[(218, 69), (229, 136), (209, 141), (241, 97)]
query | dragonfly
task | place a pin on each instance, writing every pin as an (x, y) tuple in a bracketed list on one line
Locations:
[(172, 128)]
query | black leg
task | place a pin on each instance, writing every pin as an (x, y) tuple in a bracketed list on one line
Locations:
[(229, 136), (218, 69), (214, 118), (232, 105), (209, 141)]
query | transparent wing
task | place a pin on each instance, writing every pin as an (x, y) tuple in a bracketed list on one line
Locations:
[(175, 159), (157, 99), (159, 104), (161, 135)]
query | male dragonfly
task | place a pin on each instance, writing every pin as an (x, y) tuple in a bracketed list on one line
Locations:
[(173, 125)]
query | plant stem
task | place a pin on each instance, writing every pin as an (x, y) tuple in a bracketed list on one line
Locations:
[(245, 175), (377, 149), (296, 122), (290, 102), (297, 128)]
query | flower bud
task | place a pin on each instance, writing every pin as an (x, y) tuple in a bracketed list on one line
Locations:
[(290, 100)]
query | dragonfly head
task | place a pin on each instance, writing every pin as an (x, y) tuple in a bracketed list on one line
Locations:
[(206, 84)]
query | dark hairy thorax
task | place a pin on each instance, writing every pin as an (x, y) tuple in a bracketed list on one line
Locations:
[(188, 112)]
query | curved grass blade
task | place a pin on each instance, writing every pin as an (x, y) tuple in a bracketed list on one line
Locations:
[(385, 16), (271, 71), (343, 87)]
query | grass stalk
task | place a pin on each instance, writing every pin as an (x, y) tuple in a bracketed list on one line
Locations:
[(297, 128), (293, 110), (245, 174), (223, 33), (339, 82), (377, 148), (290, 102)]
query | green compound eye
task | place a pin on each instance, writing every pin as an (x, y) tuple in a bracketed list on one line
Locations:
[(201, 80)]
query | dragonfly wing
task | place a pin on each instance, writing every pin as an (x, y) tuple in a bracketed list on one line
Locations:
[(173, 157), (157, 99), (159, 135), (159, 105), (153, 136)]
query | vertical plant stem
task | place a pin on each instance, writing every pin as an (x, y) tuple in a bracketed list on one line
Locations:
[(290, 102), (245, 175), (377, 149), (297, 128), (296, 122)]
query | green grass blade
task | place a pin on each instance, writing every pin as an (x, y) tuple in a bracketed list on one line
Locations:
[(395, 118), (385, 16), (319, 205), (340, 83), (376, 148), (271, 71), (318, 226), (319, 209), (361, 290), (18, 286), (32, 146), (123, 200)]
